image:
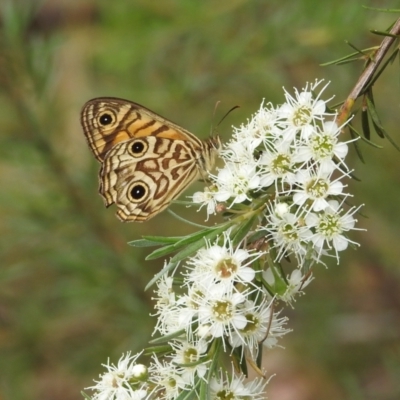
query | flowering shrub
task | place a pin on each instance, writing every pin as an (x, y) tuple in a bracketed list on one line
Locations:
[(282, 194)]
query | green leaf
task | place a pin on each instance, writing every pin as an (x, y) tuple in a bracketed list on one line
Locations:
[(192, 248), (259, 357), (182, 241), (363, 53), (242, 230), (199, 235), (86, 396), (377, 122), (166, 338), (157, 350), (144, 243), (164, 271), (162, 239), (383, 33), (365, 123), (186, 394), (203, 390), (193, 238), (256, 236), (189, 394), (239, 360), (377, 74), (163, 251), (350, 57), (193, 364), (354, 133)]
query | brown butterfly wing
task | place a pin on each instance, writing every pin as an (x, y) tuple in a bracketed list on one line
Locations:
[(107, 121), (142, 176)]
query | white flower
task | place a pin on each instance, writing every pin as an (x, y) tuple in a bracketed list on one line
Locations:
[(124, 381), (235, 181), (295, 283), (239, 151), (288, 232), (262, 128), (188, 306), (330, 227), (234, 387), (187, 355), (316, 186), (277, 164), (167, 321), (322, 146), (168, 379), (222, 264), (302, 112), (263, 326), (165, 292), (221, 312), (206, 198)]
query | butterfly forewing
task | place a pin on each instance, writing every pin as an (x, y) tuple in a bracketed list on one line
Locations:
[(108, 121)]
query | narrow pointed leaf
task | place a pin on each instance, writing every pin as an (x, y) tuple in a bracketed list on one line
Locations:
[(189, 394), (163, 251), (149, 241), (144, 243), (354, 134), (383, 33), (193, 247), (184, 241), (186, 395), (203, 390), (86, 396), (388, 137), (350, 57), (148, 351), (378, 125), (243, 230), (163, 239), (365, 123), (156, 277), (166, 338), (358, 51), (377, 74), (374, 115), (198, 235)]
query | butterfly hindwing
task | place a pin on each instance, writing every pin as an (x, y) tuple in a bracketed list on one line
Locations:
[(142, 176)]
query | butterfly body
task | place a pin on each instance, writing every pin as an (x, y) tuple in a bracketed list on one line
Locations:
[(147, 161)]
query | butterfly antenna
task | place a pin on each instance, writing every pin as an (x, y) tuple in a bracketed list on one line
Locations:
[(226, 114)]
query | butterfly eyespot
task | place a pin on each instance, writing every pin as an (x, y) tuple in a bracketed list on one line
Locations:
[(138, 148), (106, 119), (138, 192)]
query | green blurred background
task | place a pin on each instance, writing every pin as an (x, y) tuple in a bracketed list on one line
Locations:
[(71, 289)]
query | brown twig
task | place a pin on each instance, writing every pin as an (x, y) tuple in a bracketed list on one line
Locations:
[(368, 73)]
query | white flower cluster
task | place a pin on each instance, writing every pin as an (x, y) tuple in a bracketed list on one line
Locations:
[(124, 381), (222, 304), (284, 167), (290, 161), (217, 301)]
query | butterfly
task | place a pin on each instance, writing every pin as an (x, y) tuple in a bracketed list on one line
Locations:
[(146, 160)]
